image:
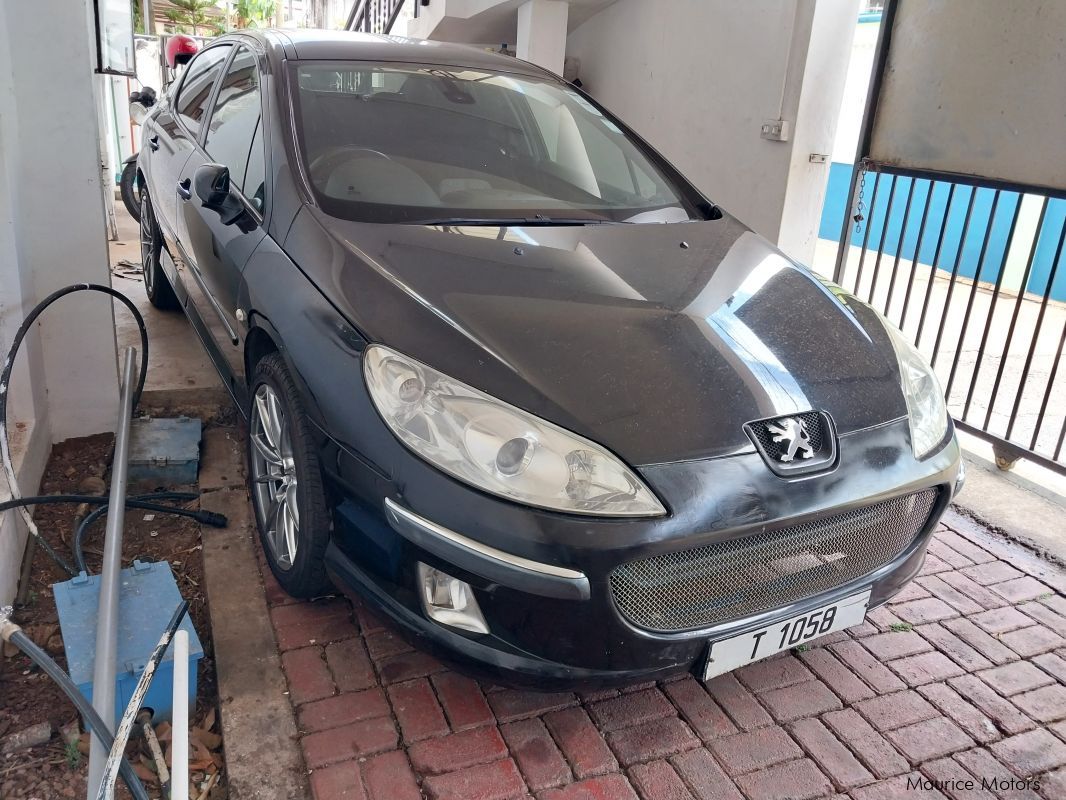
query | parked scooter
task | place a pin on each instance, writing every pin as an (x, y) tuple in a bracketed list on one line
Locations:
[(129, 183), (179, 51)]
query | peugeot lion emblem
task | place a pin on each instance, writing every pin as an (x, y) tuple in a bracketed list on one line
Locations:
[(793, 431)]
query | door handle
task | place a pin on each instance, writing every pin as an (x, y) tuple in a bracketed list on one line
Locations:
[(153, 142), (185, 188)]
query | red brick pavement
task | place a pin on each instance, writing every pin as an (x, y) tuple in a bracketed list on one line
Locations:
[(961, 678)]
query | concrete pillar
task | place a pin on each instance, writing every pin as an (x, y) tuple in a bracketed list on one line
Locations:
[(52, 234), (542, 33), (814, 87), (61, 230)]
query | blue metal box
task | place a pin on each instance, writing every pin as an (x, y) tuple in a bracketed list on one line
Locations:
[(164, 452), (148, 596)]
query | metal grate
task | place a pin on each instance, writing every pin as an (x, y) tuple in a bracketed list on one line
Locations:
[(725, 581)]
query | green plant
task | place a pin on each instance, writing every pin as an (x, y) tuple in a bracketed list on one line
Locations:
[(252, 13), (190, 14), (72, 753), (900, 627)]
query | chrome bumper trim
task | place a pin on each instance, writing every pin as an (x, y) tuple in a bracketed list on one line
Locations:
[(510, 570)]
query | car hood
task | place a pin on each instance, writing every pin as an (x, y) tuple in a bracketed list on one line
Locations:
[(658, 341)]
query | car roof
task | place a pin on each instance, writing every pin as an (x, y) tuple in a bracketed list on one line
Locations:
[(330, 45)]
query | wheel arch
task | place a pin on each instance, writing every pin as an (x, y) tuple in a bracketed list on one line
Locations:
[(258, 344)]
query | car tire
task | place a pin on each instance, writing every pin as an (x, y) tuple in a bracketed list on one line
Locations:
[(285, 481), (129, 184), (156, 283)]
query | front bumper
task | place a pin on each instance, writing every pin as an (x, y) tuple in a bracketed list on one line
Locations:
[(541, 579)]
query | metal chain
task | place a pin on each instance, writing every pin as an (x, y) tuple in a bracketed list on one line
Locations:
[(860, 206)]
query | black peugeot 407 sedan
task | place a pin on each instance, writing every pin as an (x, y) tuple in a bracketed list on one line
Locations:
[(515, 381)]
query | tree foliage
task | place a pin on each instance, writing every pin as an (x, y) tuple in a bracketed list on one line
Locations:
[(191, 14), (253, 13)]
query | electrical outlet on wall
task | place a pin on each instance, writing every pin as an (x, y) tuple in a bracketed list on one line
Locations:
[(776, 130)]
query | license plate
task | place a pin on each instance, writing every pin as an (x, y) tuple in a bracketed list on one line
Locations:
[(728, 654)]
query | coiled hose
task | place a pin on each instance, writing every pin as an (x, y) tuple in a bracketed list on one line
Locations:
[(21, 503), (5, 380), (11, 632), (142, 501), (211, 518)]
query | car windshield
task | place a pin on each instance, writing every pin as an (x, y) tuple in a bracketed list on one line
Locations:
[(433, 145)]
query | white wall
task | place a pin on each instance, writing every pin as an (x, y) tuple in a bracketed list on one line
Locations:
[(697, 78), (30, 435), (51, 235)]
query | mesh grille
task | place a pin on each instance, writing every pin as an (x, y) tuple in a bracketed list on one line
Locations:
[(724, 581), (811, 420)]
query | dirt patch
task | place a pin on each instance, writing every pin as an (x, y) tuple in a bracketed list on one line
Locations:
[(58, 768)]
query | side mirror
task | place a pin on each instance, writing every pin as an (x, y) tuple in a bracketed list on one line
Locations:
[(211, 184)]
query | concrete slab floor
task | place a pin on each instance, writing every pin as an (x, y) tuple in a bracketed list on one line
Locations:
[(259, 729), (179, 371), (1029, 515)]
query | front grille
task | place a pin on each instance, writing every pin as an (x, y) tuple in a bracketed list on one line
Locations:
[(725, 581)]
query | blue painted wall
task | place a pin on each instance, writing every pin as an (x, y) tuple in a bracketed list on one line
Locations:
[(836, 201)]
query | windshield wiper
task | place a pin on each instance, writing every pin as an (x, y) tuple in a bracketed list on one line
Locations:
[(505, 221)]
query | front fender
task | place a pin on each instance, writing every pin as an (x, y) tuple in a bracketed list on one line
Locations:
[(321, 350)]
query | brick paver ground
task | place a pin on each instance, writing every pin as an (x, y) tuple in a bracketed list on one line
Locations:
[(962, 677)]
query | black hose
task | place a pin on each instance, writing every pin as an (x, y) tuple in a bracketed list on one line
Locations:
[(211, 518), (20, 334), (207, 517), (5, 380), (96, 513), (92, 719)]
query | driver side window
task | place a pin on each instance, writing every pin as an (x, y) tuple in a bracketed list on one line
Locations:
[(233, 137)]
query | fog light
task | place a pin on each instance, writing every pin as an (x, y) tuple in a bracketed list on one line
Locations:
[(449, 601)]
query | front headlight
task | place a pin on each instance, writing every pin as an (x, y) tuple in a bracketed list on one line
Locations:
[(926, 410), (497, 447)]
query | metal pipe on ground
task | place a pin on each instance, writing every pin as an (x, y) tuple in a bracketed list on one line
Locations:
[(107, 609)]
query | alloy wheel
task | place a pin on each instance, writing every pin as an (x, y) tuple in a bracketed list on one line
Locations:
[(274, 477), (147, 246)]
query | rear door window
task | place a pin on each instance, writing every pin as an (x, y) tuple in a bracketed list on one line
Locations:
[(195, 90)]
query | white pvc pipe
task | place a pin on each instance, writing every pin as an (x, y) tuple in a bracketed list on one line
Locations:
[(179, 770)]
